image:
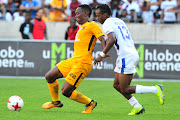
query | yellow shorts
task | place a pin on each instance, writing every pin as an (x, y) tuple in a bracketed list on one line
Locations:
[(74, 72)]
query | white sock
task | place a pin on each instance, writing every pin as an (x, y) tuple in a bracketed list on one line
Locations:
[(134, 102), (145, 89)]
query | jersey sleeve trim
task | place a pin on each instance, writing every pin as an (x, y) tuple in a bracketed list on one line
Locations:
[(109, 33)]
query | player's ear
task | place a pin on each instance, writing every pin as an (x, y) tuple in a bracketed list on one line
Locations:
[(106, 15)]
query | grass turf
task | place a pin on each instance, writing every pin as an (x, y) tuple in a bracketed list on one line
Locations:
[(111, 104)]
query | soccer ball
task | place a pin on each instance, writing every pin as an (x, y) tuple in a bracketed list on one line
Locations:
[(15, 103)]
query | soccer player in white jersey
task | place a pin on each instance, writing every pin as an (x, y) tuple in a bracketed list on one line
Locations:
[(119, 36)]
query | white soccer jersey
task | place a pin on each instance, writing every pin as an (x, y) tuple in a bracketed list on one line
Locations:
[(124, 45)]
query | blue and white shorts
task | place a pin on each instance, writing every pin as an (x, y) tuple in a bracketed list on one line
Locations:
[(127, 65)]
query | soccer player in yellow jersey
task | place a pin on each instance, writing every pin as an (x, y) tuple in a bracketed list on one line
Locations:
[(75, 69)]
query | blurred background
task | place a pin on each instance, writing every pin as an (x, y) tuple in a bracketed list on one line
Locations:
[(36, 29), (147, 20)]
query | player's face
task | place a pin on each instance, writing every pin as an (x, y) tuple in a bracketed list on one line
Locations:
[(80, 15), (100, 17)]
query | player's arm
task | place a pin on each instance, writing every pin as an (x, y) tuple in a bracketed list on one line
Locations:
[(99, 34), (110, 43), (103, 42)]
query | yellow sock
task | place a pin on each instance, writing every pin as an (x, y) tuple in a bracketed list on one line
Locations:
[(54, 90), (77, 96)]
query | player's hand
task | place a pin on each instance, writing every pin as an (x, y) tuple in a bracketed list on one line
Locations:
[(98, 60), (107, 55)]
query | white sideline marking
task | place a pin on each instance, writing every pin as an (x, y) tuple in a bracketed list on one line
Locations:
[(99, 79)]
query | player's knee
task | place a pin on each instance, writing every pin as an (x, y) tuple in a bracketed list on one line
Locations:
[(115, 86), (66, 93), (124, 90), (48, 78)]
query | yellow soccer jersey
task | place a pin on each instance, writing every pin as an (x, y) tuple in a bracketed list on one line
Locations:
[(85, 41)]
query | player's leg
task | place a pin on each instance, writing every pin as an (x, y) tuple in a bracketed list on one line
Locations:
[(59, 71), (73, 80), (124, 85), (53, 74), (157, 90), (68, 91), (116, 83), (130, 64), (126, 90), (51, 78)]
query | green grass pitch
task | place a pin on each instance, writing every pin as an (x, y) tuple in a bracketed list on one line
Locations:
[(111, 104)]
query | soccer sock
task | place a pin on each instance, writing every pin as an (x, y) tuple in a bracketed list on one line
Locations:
[(54, 90), (145, 89), (134, 102), (78, 97)]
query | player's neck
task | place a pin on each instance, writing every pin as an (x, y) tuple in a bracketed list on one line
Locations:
[(84, 22)]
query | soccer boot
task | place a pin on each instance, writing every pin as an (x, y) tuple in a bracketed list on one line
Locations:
[(90, 107), (137, 111), (52, 104), (160, 94)]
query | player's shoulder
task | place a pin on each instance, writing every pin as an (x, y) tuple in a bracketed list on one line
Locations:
[(113, 20), (108, 21), (92, 23)]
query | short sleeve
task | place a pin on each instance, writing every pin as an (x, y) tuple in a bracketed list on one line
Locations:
[(107, 27), (96, 29)]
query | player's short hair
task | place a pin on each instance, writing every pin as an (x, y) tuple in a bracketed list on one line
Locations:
[(104, 9), (86, 8)]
